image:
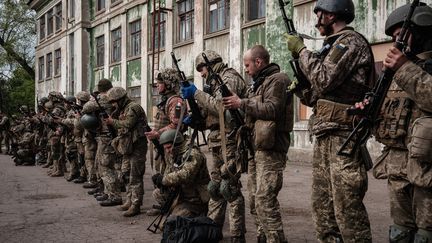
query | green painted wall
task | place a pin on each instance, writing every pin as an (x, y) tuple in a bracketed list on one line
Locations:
[(115, 75), (134, 73)]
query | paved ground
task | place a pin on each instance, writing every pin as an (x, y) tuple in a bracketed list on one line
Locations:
[(38, 208)]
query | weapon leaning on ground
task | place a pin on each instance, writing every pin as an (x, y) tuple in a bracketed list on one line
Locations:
[(369, 115), (165, 210), (303, 83), (198, 121), (104, 115), (245, 145)]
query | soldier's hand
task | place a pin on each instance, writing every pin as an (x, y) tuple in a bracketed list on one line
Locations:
[(189, 91), (157, 180), (295, 44), (395, 59), (361, 105), (152, 134), (109, 120), (232, 102), (187, 120)]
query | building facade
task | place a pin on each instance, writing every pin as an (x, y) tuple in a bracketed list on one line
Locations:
[(127, 41)]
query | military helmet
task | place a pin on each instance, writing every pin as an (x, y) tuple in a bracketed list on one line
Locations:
[(422, 17), (70, 99), (116, 94), (90, 107), (83, 96), (24, 109), (104, 85), (43, 100), (212, 56), (168, 137), (169, 77), (55, 96), (343, 8), (89, 121)]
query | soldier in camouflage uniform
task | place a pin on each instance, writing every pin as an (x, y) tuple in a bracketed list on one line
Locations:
[(210, 103), (166, 117), (82, 97), (268, 111), (131, 143), (341, 73), (186, 173), (406, 159), (4, 132)]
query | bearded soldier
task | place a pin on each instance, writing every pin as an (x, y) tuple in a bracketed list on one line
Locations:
[(268, 111), (131, 143), (340, 74), (224, 187), (406, 159)]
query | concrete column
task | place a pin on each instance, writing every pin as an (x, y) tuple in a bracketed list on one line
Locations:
[(235, 55), (198, 46), (124, 40), (144, 58)]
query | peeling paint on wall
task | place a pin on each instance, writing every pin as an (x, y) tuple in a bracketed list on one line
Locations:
[(115, 74), (134, 73), (219, 45)]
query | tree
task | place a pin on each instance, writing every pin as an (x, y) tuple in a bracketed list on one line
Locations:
[(17, 37)]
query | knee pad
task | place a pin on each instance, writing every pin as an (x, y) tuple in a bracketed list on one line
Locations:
[(423, 236), (400, 234)]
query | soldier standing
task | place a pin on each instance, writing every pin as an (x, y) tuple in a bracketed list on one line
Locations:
[(211, 103), (406, 159), (131, 143), (268, 111), (340, 74), (4, 132), (186, 173)]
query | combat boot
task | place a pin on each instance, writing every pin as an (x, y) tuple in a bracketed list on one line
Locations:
[(94, 191), (125, 206), (80, 180), (72, 177), (46, 165), (102, 197), (90, 185), (238, 239), (56, 174), (111, 202), (153, 212), (132, 211)]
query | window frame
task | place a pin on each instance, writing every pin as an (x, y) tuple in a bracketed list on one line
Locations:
[(248, 9), (162, 22), (116, 45), (50, 22), (189, 15), (226, 15), (58, 16), (134, 34), (57, 62), (100, 5), (71, 9), (100, 57), (41, 68), (49, 65), (42, 32)]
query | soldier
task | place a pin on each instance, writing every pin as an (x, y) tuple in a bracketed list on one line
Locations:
[(4, 132), (186, 174), (131, 143), (25, 153), (211, 103), (82, 97), (268, 111), (340, 74), (406, 158)]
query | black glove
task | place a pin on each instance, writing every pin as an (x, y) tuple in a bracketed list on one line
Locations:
[(157, 180), (125, 177)]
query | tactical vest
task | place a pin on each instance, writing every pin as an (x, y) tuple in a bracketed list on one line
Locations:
[(398, 114), (161, 118)]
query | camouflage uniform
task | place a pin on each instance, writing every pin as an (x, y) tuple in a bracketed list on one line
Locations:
[(25, 153), (4, 132), (131, 143), (106, 157), (409, 177), (339, 77), (268, 112), (90, 145), (71, 150), (211, 104), (190, 177)]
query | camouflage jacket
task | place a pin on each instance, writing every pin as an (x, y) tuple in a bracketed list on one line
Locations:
[(341, 73), (131, 121), (191, 176), (210, 103), (269, 110), (166, 117), (4, 123)]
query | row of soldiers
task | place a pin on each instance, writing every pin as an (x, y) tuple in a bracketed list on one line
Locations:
[(338, 77)]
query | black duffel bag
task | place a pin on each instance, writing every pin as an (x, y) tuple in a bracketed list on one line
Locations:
[(191, 230)]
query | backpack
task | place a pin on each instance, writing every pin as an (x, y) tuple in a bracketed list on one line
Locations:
[(180, 229)]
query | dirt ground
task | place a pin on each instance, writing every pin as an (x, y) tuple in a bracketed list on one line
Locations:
[(38, 208)]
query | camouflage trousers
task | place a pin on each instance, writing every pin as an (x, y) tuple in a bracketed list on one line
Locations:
[(81, 159), (339, 185), (72, 158), (5, 136), (57, 154), (105, 159), (89, 158), (180, 207), (264, 183), (217, 208), (135, 164), (410, 205)]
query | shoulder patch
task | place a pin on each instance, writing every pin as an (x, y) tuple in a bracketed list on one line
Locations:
[(338, 52)]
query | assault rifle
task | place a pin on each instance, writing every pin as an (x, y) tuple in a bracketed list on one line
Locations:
[(198, 121), (369, 115), (104, 115), (165, 210), (75, 107), (303, 82), (237, 118), (158, 147)]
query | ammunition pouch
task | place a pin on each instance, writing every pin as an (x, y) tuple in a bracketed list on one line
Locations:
[(229, 189), (213, 189), (420, 147), (330, 115), (264, 134)]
